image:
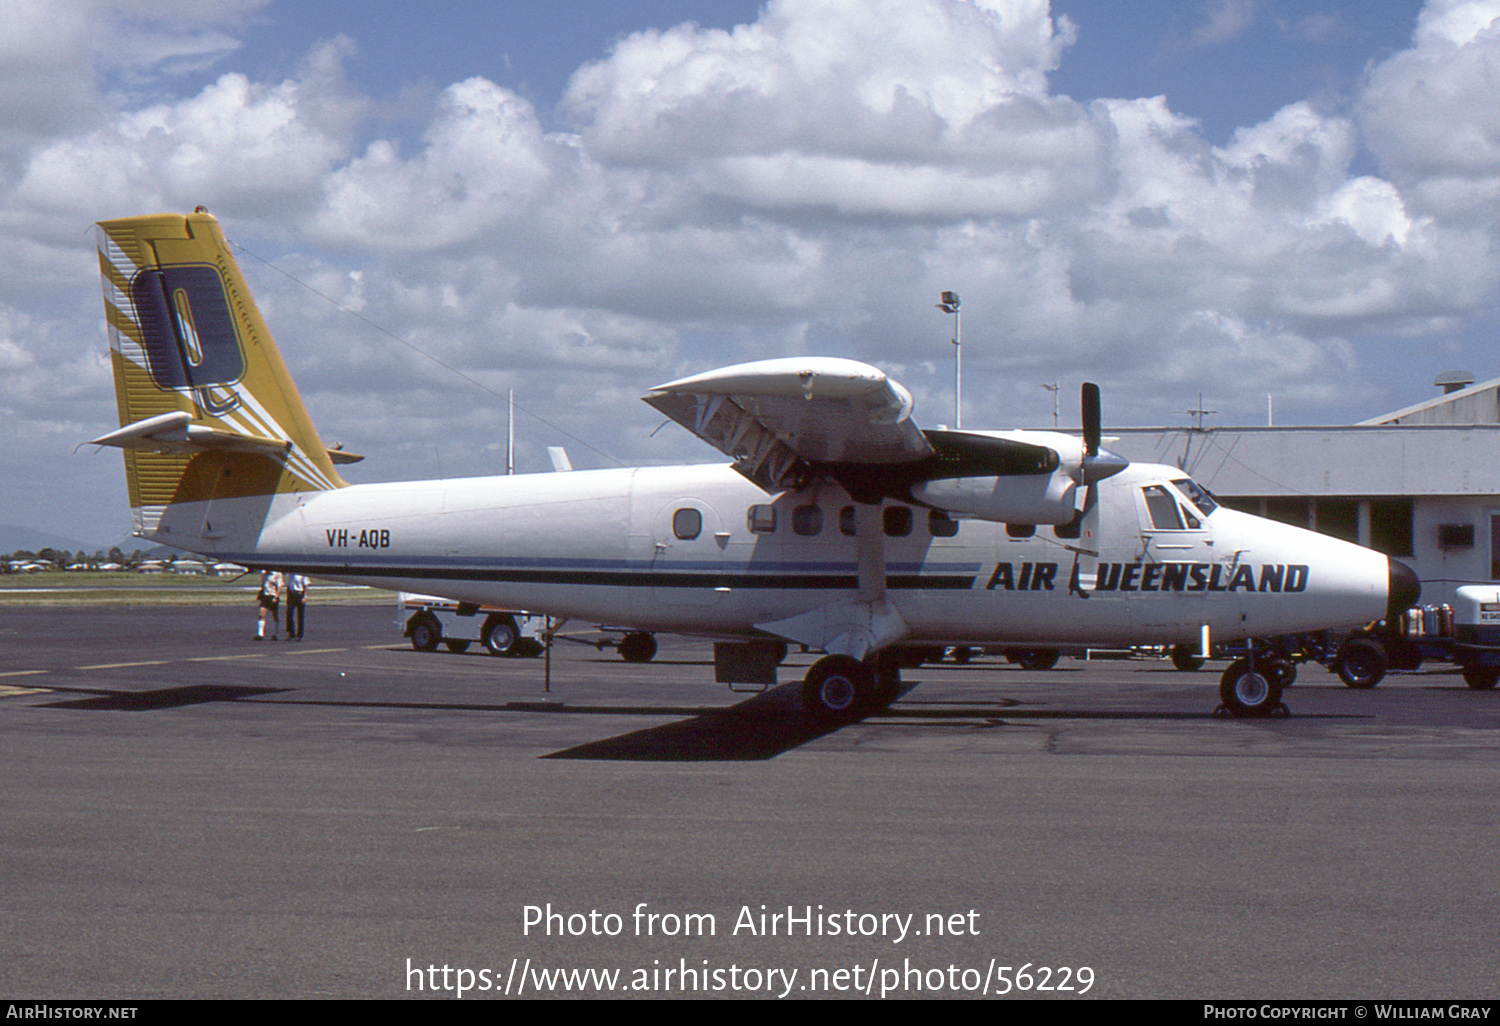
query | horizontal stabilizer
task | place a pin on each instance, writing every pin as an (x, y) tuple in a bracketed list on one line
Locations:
[(175, 432), (338, 454)]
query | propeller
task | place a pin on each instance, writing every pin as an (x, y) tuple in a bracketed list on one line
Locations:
[(1089, 401), (1097, 463)]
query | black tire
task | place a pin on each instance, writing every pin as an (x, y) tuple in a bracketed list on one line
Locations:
[(1037, 658), (1482, 678), (500, 634), (962, 654), (425, 632), (456, 647), (1283, 671), (1250, 692), (1361, 663), (637, 647), (838, 687), (1186, 658)]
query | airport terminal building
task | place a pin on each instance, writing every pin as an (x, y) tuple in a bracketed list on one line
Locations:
[(1421, 484)]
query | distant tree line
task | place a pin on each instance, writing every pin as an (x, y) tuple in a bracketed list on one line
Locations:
[(63, 559)]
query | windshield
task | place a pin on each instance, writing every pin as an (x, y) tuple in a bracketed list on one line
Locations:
[(1200, 496)]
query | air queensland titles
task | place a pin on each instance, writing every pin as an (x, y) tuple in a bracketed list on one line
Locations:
[(1277, 577)]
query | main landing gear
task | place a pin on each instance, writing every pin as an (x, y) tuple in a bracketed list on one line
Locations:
[(840, 688)]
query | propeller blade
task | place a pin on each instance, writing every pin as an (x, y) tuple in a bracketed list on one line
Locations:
[(1091, 418)]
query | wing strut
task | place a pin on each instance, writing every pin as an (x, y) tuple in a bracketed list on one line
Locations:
[(862, 623)]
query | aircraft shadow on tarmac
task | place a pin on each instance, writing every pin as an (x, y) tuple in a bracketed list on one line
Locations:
[(761, 727), (163, 698), (775, 721)]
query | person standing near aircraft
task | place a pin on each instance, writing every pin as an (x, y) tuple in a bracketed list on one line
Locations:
[(296, 604), (270, 601)]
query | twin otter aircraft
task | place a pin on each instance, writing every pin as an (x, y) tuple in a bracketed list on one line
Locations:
[(840, 524)]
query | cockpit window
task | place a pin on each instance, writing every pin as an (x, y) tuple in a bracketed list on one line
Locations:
[(1162, 505), (1200, 496)]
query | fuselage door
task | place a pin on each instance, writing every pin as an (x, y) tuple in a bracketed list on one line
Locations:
[(689, 554), (1176, 546)]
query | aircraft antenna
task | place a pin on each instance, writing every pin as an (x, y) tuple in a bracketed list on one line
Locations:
[(1200, 412)]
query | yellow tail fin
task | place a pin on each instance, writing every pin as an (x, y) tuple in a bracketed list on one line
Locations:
[(207, 408)]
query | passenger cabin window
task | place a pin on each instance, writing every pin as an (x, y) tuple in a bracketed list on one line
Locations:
[(897, 521), (807, 520), (761, 519), (940, 524), (687, 524), (1165, 516)]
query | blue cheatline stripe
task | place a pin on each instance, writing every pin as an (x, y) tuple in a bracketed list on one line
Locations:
[(607, 577)]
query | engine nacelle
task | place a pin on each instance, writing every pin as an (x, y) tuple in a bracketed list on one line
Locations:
[(1009, 499)]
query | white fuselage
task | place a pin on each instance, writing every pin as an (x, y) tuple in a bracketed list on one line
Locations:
[(615, 547)]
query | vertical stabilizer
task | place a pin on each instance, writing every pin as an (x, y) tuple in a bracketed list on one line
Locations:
[(208, 410)]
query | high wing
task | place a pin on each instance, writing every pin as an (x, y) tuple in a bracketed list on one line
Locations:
[(780, 419), (787, 420)]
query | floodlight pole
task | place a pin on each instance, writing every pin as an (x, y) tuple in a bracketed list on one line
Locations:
[(950, 304), (1053, 389)]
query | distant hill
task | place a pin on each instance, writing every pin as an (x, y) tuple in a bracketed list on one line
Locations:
[(14, 538)]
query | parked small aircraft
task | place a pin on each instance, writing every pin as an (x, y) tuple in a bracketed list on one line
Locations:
[(839, 524)]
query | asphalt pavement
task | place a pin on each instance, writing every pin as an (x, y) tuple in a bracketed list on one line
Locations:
[(190, 813)]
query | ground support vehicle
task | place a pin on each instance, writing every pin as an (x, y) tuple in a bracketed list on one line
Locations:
[(430, 621), (1466, 634)]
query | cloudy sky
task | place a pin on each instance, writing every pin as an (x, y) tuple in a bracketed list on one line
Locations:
[(440, 201)]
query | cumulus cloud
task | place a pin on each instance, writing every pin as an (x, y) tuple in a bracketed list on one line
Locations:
[(58, 57), (238, 144), (808, 182), (484, 161), (1429, 111), (1223, 20)]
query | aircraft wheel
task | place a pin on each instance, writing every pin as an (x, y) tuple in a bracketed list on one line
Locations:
[(1037, 658), (1361, 663), (637, 647), (1482, 678), (838, 687), (1186, 658), (425, 632), (1250, 692), (500, 634), (1282, 671), (456, 647)]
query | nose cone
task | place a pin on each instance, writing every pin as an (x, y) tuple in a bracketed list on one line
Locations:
[(1403, 593)]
